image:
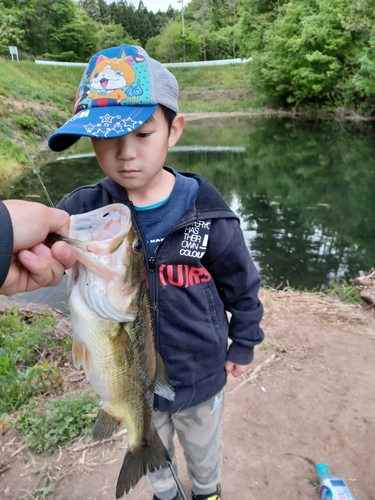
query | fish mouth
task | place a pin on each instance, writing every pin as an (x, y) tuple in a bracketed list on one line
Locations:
[(118, 234), (54, 237)]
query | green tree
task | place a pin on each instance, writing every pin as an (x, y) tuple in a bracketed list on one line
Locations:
[(139, 23), (10, 30), (42, 20), (364, 80), (145, 28), (122, 13), (111, 35), (104, 12), (215, 23), (91, 7), (360, 22), (308, 52), (169, 45), (222, 13), (80, 36), (221, 43), (152, 46), (8, 4), (59, 29), (97, 10)]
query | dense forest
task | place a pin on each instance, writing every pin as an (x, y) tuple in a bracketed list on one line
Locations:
[(305, 53)]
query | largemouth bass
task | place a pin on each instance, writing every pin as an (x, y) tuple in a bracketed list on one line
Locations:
[(113, 335)]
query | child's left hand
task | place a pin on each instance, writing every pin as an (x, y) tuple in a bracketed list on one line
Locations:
[(235, 370)]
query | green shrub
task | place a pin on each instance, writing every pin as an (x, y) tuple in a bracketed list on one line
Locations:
[(69, 56), (344, 291), (26, 122), (24, 370), (311, 53), (56, 423)]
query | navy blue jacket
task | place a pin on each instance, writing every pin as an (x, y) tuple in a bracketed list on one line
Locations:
[(201, 270)]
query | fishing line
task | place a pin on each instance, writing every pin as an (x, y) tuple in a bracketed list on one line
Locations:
[(36, 171), (180, 489)]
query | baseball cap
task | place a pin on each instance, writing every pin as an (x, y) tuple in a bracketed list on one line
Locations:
[(120, 89)]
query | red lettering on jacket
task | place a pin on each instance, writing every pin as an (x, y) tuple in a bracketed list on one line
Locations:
[(182, 275), (161, 275), (194, 275)]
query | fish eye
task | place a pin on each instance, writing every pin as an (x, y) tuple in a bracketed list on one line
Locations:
[(137, 246)]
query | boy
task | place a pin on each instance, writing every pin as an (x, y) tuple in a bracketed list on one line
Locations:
[(198, 265)]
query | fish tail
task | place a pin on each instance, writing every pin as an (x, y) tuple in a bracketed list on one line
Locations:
[(151, 455), (105, 426)]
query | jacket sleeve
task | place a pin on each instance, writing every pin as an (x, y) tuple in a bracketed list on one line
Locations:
[(238, 282), (6, 242)]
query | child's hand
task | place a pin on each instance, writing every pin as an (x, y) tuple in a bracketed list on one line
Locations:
[(235, 370)]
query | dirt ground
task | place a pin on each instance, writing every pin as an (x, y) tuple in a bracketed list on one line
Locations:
[(309, 397)]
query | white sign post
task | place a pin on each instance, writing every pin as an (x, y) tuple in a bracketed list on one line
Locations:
[(13, 52)]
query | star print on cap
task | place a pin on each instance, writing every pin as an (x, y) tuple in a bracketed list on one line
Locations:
[(120, 89)]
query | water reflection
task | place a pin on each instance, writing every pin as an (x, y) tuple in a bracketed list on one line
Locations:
[(304, 191)]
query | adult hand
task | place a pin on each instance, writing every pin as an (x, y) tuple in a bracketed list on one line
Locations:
[(34, 265), (234, 369)]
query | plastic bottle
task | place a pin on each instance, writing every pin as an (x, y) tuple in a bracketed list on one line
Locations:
[(332, 487)]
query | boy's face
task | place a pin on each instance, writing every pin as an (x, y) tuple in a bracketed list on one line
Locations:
[(135, 161)]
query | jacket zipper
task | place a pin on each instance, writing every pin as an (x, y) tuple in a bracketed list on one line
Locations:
[(150, 262)]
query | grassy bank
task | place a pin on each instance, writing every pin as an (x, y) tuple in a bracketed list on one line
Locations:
[(36, 99), (34, 355)]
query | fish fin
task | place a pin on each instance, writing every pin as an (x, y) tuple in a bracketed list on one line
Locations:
[(78, 353), (72, 277), (105, 426), (151, 455), (127, 344), (163, 387)]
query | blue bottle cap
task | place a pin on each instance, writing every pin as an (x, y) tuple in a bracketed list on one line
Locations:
[(322, 470)]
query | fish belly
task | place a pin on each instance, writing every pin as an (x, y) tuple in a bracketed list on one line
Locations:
[(101, 348)]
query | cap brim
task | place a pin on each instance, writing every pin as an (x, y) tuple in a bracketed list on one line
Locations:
[(102, 122)]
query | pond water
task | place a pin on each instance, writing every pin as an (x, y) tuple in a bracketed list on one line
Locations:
[(304, 191)]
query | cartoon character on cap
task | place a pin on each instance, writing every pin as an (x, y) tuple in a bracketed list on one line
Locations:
[(134, 53), (110, 76)]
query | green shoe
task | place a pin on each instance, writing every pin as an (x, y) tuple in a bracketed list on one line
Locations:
[(210, 496)]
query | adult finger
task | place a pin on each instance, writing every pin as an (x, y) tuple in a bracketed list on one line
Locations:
[(58, 220), (64, 253), (43, 268)]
